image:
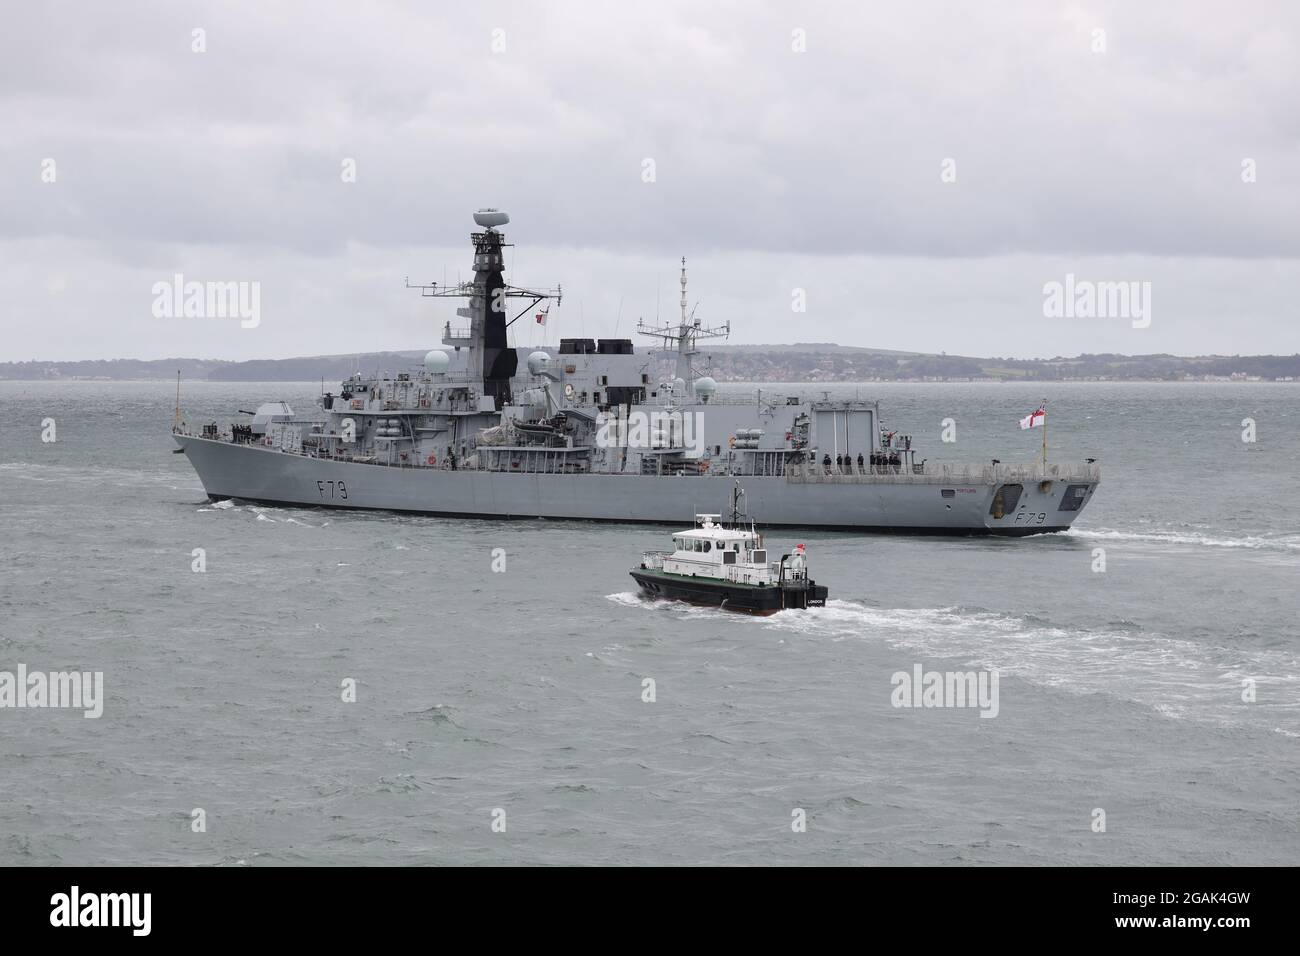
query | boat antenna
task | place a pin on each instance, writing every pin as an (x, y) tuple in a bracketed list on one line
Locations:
[(177, 420), (737, 496)]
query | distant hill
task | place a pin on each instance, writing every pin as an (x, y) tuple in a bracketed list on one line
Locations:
[(801, 362)]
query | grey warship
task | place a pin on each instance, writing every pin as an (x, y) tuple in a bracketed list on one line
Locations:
[(591, 430)]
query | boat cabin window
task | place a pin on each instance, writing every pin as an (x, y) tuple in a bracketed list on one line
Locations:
[(759, 556), (708, 546)]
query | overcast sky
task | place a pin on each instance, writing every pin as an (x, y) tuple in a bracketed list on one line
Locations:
[(1115, 156)]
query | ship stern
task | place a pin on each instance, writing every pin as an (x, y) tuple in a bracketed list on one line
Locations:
[(1048, 501)]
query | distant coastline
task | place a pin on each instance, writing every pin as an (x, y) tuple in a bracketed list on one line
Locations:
[(806, 363)]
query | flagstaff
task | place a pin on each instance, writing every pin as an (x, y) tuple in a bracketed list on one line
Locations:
[(1044, 406), (1035, 420)]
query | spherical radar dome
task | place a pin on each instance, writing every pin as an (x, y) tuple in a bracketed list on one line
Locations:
[(705, 387), (539, 362), (436, 363), (491, 218)]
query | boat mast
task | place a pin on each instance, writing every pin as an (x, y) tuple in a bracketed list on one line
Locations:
[(737, 496)]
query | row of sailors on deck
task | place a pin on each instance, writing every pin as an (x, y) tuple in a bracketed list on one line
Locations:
[(843, 464)]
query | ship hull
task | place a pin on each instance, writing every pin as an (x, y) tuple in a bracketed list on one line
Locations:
[(266, 475), (762, 601)]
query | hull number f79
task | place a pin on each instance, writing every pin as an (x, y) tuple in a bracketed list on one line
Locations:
[(332, 489), (1029, 517)]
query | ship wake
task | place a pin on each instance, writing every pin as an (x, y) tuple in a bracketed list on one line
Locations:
[(1279, 542)]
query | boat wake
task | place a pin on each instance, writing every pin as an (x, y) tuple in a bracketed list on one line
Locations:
[(1178, 678), (681, 609)]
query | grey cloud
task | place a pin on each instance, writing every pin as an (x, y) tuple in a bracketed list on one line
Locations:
[(233, 156)]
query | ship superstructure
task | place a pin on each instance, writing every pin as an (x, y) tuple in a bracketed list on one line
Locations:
[(592, 430)]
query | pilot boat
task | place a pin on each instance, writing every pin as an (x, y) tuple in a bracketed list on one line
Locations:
[(728, 568)]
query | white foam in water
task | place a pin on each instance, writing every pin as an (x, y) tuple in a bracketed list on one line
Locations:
[(222, 505), (1282, 542), (681, 609), (1178, 678)]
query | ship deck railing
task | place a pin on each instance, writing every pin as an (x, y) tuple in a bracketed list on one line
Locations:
[(939, 474), (753, 397), (319, 446)]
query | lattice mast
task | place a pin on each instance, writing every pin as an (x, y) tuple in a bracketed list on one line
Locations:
[(491, 359), (684, 337)]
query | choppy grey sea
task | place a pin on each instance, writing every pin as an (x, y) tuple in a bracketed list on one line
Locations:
[(1163, 691)]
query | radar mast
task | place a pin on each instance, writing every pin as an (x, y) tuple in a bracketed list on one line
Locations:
[(491, 360), (683, 338)]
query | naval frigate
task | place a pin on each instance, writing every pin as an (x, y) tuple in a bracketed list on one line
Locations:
[(592, 430)]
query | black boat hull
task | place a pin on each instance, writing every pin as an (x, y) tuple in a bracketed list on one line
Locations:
[(745, 599)]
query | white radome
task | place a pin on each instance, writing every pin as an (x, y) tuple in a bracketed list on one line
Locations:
[(539, 362), (705, 387), (491, 218), (436, 362)]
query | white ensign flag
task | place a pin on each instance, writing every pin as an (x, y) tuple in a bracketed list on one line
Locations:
[(1035, 419)]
